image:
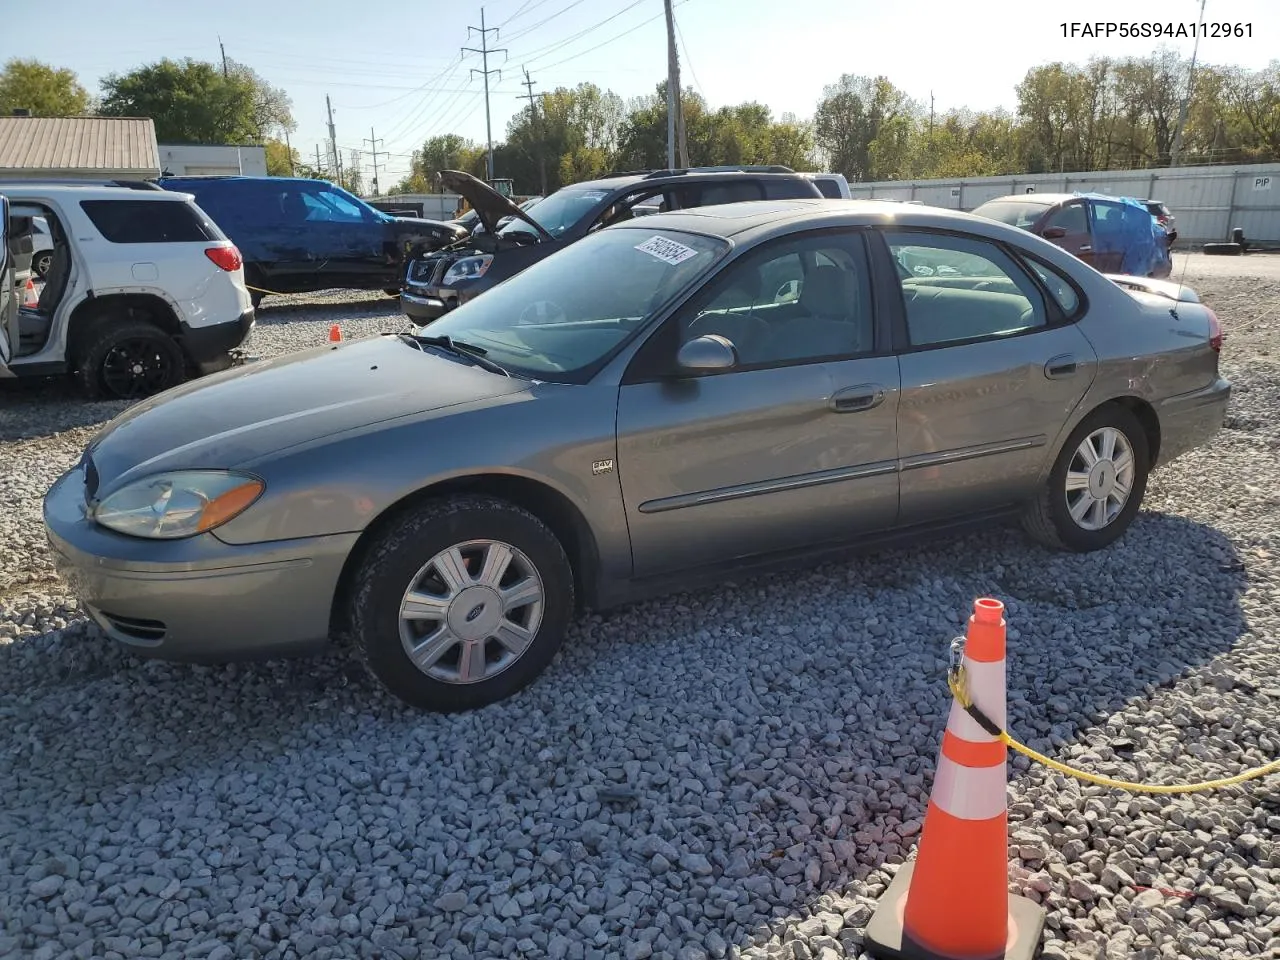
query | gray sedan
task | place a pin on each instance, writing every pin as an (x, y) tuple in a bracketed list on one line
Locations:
[(670, 400)]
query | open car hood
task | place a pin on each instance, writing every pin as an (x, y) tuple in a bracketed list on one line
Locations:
[(489, 204)]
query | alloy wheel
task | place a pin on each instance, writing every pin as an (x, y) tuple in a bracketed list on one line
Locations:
[(136, 368)]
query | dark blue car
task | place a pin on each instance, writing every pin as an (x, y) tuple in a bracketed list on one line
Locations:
[(298, 235)]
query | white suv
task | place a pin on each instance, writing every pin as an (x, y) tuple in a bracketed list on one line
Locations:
[(142, 288)]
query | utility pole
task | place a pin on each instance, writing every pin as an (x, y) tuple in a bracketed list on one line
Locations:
[(675, 111), (1176, 152), (289, 149), (373, 142), (319, 168), (224, 57), (537, 130), (931, 113), (484, 52), (333, 140)]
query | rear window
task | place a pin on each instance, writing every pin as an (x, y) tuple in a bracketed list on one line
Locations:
[(148, 221), (1016, 213), (828, 188), (790, 188)]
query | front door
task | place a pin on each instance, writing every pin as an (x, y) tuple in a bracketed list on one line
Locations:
[(991, 369), (793, 446), (1072, 219)]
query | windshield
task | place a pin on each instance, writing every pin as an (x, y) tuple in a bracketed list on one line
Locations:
[(559, 212), (563, 315), (1016, 213)]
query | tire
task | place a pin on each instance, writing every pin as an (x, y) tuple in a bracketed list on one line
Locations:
[(41, 263), (108, 347), (1048, 518), (407, 555), (1223, 249), (391, 291)]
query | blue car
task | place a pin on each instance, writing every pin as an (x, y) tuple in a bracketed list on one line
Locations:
[(299, 235)]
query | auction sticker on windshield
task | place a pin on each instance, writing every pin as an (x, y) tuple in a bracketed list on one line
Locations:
[(668, 251)]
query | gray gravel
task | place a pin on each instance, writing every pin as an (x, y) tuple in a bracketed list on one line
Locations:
[(734, 772)]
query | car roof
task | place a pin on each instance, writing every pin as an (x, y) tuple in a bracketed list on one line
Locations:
[(665, 177), (235, 177), (746, 220), (1041, 198), (84, 191)]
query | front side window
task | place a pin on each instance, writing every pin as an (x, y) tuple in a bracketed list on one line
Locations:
[(801, 299), (961, 288), (331, 206), (562, 316)]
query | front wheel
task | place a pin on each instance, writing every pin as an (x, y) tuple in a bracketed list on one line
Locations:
[(461, 603), (1096, 486)]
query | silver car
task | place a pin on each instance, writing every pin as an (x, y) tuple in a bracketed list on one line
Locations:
[(669, 400)]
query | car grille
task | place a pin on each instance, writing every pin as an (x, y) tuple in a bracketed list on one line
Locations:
[(147, 631)]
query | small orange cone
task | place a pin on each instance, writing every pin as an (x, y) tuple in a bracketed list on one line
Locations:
[(29, 296), (953, 902), (335, 333)]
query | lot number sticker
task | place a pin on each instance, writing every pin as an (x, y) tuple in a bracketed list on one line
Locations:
[(668, 251)]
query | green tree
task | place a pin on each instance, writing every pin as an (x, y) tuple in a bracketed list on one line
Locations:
[(44, 90), (192, 102), (282, 161), (852, 114)]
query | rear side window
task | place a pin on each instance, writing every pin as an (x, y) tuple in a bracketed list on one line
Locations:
[(147, 221), (715, 193), (1059, 286)]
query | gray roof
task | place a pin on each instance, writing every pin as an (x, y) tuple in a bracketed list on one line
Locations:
[(75, 146)]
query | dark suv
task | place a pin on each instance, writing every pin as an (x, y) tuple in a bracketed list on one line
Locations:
[(299, 235), (439, 281)]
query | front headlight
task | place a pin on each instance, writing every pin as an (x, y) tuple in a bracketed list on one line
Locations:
[(468, 268), (170, 506)]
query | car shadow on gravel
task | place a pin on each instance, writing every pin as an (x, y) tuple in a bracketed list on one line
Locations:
[(750, 753)]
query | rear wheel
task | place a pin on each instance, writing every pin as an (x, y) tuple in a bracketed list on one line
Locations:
[(461, 603), (1096, 486), (128, 360)]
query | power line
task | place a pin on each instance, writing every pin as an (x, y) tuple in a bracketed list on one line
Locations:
[(520, 10), (537, 131), (605, 43), (528, 30), (413, 115), (688, 59), (539, 52), (484, 52)]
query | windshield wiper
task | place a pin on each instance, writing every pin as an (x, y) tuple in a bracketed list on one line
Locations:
[(461, 348)]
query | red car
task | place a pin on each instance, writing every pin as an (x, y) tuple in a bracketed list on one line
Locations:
[(1105, 232)]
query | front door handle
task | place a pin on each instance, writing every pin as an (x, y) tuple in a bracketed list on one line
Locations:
[(1060, 367), (865, 396), (1086, 248)]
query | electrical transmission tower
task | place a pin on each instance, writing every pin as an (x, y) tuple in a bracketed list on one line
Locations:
[(484, 51)]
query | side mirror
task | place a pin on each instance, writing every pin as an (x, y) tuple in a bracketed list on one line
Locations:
[(707, 355), (1054, 233)]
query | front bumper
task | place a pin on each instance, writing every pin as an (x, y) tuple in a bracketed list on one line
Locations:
[(207, 345), (1191, 420), (199, 599), (424, 305)]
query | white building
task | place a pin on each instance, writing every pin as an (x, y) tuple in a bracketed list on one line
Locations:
[(201, 160)]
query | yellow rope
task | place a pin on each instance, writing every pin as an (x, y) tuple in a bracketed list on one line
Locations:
[(958, 683)]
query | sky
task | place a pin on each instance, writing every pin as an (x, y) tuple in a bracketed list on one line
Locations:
[(396, 70)]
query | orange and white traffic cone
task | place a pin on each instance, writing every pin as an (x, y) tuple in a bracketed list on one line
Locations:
[(335, 333), (29, 296), (953, 902)]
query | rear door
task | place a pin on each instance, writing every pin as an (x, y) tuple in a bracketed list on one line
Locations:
[(992, 366), (8, 301), (1109, 235)]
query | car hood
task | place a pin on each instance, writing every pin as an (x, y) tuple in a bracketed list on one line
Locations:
[(489, 204), (421, 234), (241, 414)]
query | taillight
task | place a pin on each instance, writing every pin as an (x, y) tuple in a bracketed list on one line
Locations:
[(1216, 336), (227, 258)]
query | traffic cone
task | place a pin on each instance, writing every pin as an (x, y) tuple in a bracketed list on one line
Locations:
[(953, 901), (335, 333), (29, 296)]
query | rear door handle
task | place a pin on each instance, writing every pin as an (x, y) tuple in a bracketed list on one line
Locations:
[(1060, 367), (1086, 248), (865, 396)]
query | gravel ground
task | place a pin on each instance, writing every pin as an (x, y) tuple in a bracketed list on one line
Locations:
[(734, 772)]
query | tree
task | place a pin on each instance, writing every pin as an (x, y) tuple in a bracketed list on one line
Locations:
[(851, 116), (282, 161), (192, 102), (44, 90)]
